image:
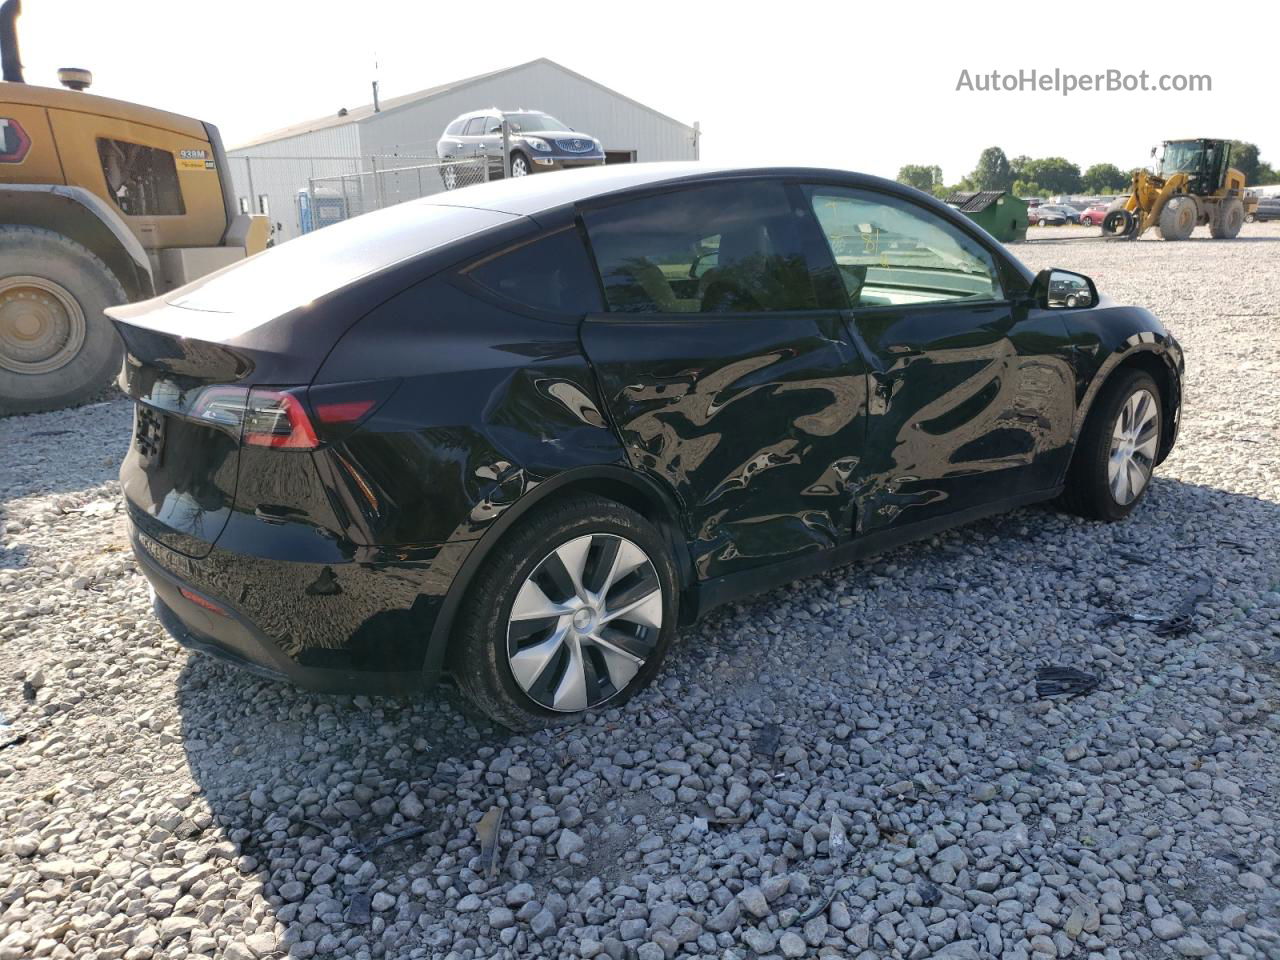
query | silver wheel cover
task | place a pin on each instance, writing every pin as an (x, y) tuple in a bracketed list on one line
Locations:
[(518, 167), (584, 622), (1133, 446)]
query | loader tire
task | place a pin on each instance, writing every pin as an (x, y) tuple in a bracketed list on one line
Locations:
[(57, 348), (1178, 218), (1118, 223), (1226, 225)]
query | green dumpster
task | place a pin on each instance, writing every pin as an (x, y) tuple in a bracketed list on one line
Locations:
[(998, 212)]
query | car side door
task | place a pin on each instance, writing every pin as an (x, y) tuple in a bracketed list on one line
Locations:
[(489, 146), (450, 146), (472, 136), (972, 389), (726, 368)]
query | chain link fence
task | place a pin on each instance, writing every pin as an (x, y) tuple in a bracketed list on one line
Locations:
[(301, 194), (346, 195)]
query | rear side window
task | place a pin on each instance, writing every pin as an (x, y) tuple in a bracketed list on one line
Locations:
[(551, 273), (721, 248), (475, 126), (142, 180)]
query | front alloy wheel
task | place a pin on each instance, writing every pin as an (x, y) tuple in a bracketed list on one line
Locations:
[(584, 622), (1118, 448), (519, 166), (1133, 446)]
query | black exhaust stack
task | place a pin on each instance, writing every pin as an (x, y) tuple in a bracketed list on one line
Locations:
[(9, 56)]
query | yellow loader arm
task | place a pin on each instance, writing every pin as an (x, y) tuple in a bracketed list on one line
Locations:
[(1149, 196)]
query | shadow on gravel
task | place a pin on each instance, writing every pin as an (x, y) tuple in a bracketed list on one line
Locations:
[(305, 784)]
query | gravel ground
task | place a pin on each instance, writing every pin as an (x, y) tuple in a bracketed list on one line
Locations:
[(852, 766)]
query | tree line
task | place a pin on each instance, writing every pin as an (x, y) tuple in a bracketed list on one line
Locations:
[(1050, 176)]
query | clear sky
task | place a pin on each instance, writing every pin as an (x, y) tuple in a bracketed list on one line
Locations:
[(835, 84)]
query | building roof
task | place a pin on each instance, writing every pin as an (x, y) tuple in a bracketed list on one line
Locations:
[(970, 201), (366, 111)]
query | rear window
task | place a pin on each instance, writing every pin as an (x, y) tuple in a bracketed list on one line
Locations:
[(293, 274), (549, 273), (454, 128), (143, 181)]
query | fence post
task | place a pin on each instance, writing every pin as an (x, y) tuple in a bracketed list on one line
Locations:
[(311, 203), (377, 184), (506, 150)]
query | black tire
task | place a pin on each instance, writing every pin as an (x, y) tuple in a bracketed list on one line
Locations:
[(73, 281), (1178, 218), (1228, 220), (1088, 490), (449, 176), (479, 652), (1250, 218), (528, 166), (1118, 223)]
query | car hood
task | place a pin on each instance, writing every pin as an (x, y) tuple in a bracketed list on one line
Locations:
[(554, 134)]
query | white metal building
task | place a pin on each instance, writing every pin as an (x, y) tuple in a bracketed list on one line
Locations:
[(269, 171)]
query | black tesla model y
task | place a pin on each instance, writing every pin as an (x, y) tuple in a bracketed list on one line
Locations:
[(524, 431)]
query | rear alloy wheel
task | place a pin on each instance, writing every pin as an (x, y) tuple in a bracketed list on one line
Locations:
[(584, 622), (450, 176), (1117, 451), (573, 611)]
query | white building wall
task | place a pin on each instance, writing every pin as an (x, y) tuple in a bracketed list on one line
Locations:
[(277, 169), (619, 123)]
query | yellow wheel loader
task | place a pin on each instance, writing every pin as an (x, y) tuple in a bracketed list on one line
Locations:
[(101, 202), (1195, 185)]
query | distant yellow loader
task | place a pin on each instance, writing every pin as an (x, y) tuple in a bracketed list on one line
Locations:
[(1196, 186)]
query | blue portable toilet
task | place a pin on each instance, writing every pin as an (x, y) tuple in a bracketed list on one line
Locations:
[(330, 207)]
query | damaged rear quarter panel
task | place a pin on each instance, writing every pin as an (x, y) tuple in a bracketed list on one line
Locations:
[(491, 403)]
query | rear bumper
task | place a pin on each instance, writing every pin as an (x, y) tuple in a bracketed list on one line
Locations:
[(234, 637)]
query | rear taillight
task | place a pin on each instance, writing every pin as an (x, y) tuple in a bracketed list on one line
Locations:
[(290, 418), (277, 418)]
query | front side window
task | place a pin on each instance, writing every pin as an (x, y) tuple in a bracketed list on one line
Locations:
[(551, 273), (142, 180), (891, 252), (722, 248)]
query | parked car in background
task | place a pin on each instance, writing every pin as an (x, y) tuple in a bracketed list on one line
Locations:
[(524, 431), (1094, 215), (1268, 209), (1051, 214), (538, 141)]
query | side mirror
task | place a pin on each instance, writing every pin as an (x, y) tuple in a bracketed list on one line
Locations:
[(1056, 289)]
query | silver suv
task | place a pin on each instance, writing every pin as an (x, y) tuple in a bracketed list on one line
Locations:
[(538, 142)]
